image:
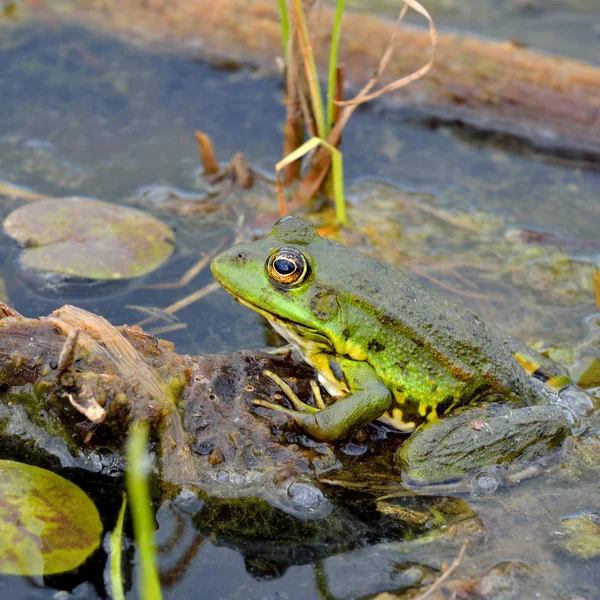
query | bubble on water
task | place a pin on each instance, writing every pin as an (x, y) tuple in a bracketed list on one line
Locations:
[(305, 494), (238, 479), (486, 483), (352, 449), (223, 477)]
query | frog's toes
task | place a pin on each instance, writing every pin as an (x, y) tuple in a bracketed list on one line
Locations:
[(301, 407), (273, 406)]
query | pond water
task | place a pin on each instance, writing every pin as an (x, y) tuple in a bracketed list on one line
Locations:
[(85, 115)]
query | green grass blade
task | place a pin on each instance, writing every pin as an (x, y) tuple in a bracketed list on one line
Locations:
[(312, 75), (116, 555), (284, 17), (337, 170), (333, 62), (141, 512)]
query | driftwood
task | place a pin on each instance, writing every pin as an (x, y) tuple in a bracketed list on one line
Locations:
[(498, 86), (74, 383)]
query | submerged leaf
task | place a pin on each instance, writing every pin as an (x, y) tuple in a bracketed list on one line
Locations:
[(47, 524), (89, 238)]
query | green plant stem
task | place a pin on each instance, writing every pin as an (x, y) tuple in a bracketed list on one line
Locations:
[(116, 561), (285, 27), (141, 512), (337, 173), (333, 63)]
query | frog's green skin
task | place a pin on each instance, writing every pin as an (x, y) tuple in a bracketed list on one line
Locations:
[(384, 346)]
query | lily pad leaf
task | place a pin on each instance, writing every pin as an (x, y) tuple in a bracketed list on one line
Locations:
[(47, 524), (89, 238)]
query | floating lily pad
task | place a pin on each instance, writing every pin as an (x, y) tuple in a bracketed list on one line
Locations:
[(89, 238), (47, 524)]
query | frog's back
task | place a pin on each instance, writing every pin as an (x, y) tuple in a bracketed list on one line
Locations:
[(418, 330)]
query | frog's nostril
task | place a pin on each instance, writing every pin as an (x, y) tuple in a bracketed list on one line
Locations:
[(241, 257)]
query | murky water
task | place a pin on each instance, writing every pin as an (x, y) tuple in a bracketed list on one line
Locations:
[(86, 115), (561, 27)]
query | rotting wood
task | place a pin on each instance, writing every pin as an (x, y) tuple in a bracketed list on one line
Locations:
[(112, 377), (497, 86)]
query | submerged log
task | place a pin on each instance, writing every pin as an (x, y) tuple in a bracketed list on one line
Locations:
[(496, 86)]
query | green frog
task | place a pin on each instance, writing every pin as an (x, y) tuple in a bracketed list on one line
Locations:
[(385, 347)]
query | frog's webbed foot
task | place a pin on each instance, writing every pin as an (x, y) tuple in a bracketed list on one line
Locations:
[(299, 406)]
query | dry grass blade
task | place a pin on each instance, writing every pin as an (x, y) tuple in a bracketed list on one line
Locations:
[(322, 159), (443, 216), (154, 314), (207, 153), (168, 329), (307, 114), (192, 272), (338, 175), (446, 574), (383, 63), (363, 95), (14, 191), (449, 288), (201, 293), (310, 66)]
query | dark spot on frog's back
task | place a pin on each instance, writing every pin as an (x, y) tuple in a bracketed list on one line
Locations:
[(375, 346), (410, 410), (385, 319), (444, 406), (371, 289), (324, 304)]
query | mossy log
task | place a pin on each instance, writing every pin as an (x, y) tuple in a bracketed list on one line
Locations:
[(73, 383)]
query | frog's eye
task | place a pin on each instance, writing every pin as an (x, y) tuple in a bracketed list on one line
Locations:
[(288, 266)]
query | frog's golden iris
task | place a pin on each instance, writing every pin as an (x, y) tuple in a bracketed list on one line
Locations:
[(288, 266)]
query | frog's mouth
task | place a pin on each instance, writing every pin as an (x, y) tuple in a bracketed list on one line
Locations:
[(301, 336), (287, 323)]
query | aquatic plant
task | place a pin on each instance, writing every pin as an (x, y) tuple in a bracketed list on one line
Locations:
[(140, 510), (304, 102), (116, 555), (48, 525)]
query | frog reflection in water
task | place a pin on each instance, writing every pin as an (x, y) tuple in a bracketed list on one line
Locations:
[(385, 347)]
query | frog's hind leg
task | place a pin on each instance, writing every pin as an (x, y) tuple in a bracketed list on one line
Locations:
[(463, 443)]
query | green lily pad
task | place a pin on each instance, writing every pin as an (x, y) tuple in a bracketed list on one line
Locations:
[(89, 238), (47, 524)]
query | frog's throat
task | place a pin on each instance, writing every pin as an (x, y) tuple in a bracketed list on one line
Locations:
[(305, 339)]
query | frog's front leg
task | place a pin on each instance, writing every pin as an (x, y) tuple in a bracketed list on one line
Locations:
[(460, 444), (367, 400)]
